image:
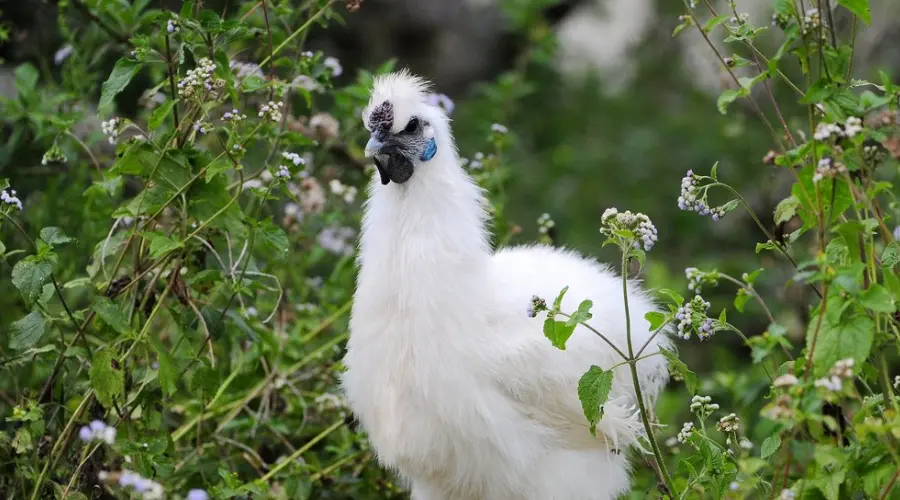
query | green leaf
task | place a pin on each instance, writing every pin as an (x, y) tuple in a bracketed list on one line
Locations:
[(818, 92), (656, 319), (27, 332), (112, 315), (840, 338), (217, 167), (29, 276), (252, 83), (26, 78), (714, 170), (740, 300), (274, 240), (713, 22), (727, 97), (860, 8), (769, 446), (120, 77), (161, 244), (558, 332), (582, 314), (557, 302), (675, 297), (160, 114), (786, 209), (204, 382), (54, 236), (677, 365), (877, 298), (593, 391), (891, 255), (168, 374), (106, 377)]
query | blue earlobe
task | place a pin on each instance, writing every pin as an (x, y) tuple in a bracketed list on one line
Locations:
[(430, 150)]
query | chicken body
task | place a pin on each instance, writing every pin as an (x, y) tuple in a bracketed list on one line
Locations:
[(457, 387)]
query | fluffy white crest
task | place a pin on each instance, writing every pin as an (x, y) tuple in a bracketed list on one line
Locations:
[(408, 95)]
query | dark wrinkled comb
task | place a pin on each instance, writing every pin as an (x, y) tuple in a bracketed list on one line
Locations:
[(382, 117)]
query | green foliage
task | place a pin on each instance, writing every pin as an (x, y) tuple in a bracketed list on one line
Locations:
[(593, 391)]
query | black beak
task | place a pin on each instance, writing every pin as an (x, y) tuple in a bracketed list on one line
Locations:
[(392, 164)]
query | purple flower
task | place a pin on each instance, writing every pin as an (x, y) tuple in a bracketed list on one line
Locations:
[(441, 101), (196, 494)]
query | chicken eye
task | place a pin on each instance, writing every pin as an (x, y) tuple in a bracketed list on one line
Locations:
[(412, 126)]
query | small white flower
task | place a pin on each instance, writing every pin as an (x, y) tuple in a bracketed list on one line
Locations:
[(197, 494), (305, 82), (853, 126), (110, 128), (545, 223), (500, 129), (786, 380), (686, 431), (334, 65), (786, 495), (98, 430), (271, 111), (62, 54), (729, 423)]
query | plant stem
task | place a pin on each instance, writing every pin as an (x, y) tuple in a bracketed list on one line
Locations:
[(303, 449), (293, 35), (632, 364)]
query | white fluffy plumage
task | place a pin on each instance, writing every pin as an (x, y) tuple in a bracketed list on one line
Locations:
[(458, 389)]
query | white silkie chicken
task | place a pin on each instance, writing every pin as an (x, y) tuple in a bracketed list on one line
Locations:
[(456, 386)]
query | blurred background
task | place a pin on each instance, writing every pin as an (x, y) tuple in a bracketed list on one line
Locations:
[(605, 106)]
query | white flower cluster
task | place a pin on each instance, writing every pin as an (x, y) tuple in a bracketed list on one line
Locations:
[(477, 161), (283, 172), (307, 54), (337, 240), (110, 129), (334, 65), (200, 127), (172, 26), (691, 200), (842, 370), (686, 431), (545, 223), (10, 198), (196, 494), (786, 380), (811, 20), (703, 406), (637, 223), (849, 129), (97, 430), (827, 167), (500, 129), (272, 111), (293, 158), (348, 193), (233, 116), (200, 80), (149, 489), (697, 278), (729, 423), (685, 317), (786, 494), (53, 155)]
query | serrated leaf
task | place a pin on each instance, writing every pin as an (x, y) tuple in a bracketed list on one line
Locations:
[(675, 297), (877, 298), (120, 77), (582, 314), (840, 337), (891, 255), (769, 446), (29, 276), (204, 382), (54, 236), (786, 209), (817, 92), (558, 332), (677, 365), (860, 8), (27, 332), (160, 114), (593, 391), (106, 377), (161, 244), (274, 240), (656, 319), (112, 315), (168, 374), (217, 167)]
